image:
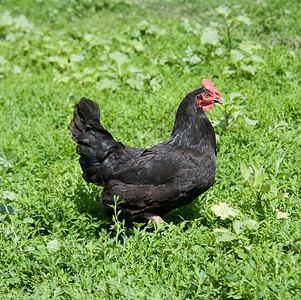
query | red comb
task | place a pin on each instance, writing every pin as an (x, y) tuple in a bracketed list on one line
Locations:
[(207, 84)]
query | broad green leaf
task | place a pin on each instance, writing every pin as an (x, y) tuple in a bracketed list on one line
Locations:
[(153, 29), (134, 69), (282, 195), (282, 215), (250, 122), (238, 226), (61, 78), (223, 210), (221, 230), (282, 124), (235, 114), (22, 22), (33, 250), (273, 188), (243, 19), (232, 108), (6, 20), (289, 75), (234, 96), (74, 58), (210, 36), (77, 75), (248, 68), (3, 60), (201, 275), (219, 51), (224, 235), (265, 188), (107, 84), (249, 46), (53, 245), (119, 57), (258, 176), (240, 252), (212, 24), (9, 196), (229, 70), (28, 220), (251, 224), (6, 159), (6, 209), (256, 58), (88, 71), (138, 46), (89, 37), (155, 82), (282, 174), (194, 59), (88, 79), (236, 55), (277, 164), (17, 70), (223, 11), (135, 83), (143, 25), (12, 37), (245, 171), (61, 61), (185, 23), (105, 67)]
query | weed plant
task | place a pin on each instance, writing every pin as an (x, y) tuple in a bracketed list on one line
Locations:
[(138, 59)]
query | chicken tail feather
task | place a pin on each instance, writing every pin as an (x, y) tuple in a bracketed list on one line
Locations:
[(94, 143)]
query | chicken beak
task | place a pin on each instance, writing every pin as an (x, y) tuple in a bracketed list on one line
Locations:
[(218, 100)]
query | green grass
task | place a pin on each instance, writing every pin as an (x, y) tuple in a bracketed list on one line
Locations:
[(54, 240)]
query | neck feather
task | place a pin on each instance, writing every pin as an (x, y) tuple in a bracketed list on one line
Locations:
[(192, 127)]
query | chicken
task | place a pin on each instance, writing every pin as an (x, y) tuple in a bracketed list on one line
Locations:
[(153, 181)]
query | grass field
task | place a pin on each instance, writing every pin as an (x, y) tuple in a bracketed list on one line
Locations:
[(138, 59)]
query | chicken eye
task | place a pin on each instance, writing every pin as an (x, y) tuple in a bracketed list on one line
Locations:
[(206, 95)]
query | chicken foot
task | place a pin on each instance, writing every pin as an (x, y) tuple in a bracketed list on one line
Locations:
[(154, 218)]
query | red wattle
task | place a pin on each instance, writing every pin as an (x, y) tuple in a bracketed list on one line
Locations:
[(207, 107)]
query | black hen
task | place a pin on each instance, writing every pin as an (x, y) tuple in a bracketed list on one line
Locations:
[(153, 181)]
